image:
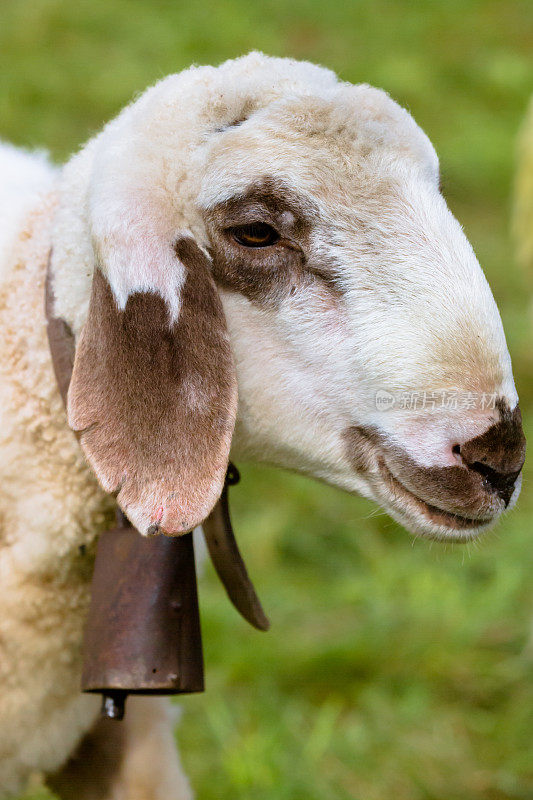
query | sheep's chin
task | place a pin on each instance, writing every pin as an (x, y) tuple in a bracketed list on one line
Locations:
[(422, 519)]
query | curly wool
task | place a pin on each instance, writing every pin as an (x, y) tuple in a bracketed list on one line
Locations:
[(51, 510)]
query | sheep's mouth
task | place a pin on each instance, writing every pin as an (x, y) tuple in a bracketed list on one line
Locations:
[(419, 497), (405, 502)]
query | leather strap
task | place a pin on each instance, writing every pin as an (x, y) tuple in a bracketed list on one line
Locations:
[(218, 531), (227, 560), (60, 340)]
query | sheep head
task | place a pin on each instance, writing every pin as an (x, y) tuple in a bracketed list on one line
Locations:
[(265, 226)]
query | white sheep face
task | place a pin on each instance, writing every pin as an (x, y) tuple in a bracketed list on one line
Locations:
[(369, 348)]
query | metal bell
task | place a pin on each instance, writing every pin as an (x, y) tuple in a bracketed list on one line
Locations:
[(143, 630)]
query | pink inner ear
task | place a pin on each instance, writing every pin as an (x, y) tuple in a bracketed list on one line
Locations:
[(155, 401)]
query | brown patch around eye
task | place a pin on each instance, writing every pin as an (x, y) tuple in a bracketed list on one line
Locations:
[(265, 275), (258, 241)]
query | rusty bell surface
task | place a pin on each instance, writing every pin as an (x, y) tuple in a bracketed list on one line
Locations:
[(143, 630)]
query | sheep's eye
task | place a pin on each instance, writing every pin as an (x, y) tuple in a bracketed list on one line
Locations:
[(257, 234)]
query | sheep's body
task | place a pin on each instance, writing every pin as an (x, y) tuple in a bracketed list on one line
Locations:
[(49, 505), (51, 510), (367, 246)]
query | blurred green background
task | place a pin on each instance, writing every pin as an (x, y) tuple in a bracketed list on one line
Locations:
[(395, 669)]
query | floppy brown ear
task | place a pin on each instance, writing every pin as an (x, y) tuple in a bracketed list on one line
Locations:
[(153, 395)]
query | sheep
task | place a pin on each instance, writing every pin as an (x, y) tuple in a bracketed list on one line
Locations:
[(252, 258)]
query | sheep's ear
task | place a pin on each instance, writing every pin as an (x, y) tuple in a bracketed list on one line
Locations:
[(153, 394)]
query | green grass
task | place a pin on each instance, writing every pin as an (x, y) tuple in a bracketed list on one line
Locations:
[(394, 670)]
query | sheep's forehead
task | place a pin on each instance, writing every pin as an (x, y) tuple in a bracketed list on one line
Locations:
[(348, 119), (321, 145)]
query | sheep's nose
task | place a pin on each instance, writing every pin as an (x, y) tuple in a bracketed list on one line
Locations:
[(498, 454)]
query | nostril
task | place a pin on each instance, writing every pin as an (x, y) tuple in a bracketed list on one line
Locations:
[(457, 454), (500, 482)]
